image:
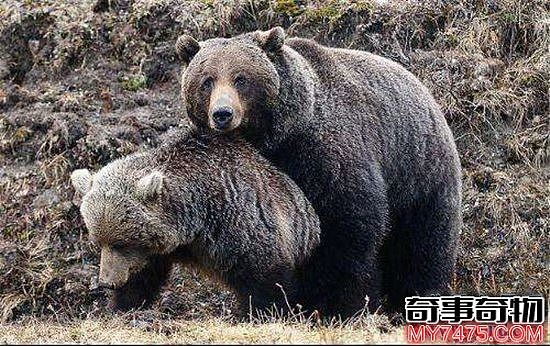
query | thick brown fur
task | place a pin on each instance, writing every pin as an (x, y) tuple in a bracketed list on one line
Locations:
[(210, 201), (365, 141)]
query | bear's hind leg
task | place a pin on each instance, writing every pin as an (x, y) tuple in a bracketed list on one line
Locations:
[(344, 270), (419, 255)]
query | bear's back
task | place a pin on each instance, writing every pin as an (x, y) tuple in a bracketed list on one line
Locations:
[(233, 176), (362, 95)]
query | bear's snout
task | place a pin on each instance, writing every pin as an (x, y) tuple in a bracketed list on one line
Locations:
[(222, 117), (226, 109), (114, 268)]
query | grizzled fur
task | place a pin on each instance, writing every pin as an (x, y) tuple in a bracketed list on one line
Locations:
[(364, 140), (203, 200)]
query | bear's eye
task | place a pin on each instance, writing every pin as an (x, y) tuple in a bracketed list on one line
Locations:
[(240, 81), (207, 83), (118, 246)]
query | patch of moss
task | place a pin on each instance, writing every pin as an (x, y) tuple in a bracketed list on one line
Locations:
[(3, 123), (363, 6), (25, 235), (134, 83), (333, 10), (451, 39), (208, 3), (8, 232), (330, 11), (21, 135), (508, 17), (288, 7)]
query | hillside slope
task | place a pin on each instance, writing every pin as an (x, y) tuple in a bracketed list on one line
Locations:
[(82, 83)]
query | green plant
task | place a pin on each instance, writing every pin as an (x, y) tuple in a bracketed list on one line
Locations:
[(134, 83), (288, 7)]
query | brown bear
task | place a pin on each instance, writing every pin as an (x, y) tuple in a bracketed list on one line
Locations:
[(202, 200), (364, 140)]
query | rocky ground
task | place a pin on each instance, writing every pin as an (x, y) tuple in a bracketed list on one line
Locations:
[(84, 82)]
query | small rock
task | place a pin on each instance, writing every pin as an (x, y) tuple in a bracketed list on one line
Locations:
[(141, 99), (45, 199), (94, 283), (4, 69), (484, 179)]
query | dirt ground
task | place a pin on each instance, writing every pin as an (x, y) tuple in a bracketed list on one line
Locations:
[(84, 82)]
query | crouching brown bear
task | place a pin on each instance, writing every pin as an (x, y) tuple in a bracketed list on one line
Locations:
[(202, 200), (364, 140)]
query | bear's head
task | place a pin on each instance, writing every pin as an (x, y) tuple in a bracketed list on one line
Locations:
[(123, 210), (229, 82)]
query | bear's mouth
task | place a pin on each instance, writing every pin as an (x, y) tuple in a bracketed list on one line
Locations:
[(224, 127)]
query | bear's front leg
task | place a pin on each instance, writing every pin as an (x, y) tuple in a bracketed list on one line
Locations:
[(143, 287)]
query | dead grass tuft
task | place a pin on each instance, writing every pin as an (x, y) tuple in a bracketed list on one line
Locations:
[(82, 83), (119, 330)]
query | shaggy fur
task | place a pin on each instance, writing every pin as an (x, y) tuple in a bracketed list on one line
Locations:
[(364, 140), (209, 201)]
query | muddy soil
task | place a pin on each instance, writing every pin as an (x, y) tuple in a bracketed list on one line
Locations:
[(83, 83)]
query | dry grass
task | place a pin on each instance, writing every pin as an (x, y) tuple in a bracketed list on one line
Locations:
[(208, 331), (82, 84)]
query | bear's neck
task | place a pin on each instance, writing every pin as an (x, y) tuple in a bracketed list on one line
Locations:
[(294, 107)]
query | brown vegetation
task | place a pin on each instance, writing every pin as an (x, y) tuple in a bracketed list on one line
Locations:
[(82, 83)]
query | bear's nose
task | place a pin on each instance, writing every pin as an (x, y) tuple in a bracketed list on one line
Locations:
[(222, 117)]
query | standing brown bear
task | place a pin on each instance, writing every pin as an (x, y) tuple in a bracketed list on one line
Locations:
[(365, 141), (203, 200)]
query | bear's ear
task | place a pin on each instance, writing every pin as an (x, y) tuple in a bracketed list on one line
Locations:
[(271, 40), (150, 186), (82, 180), (186, 48)]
